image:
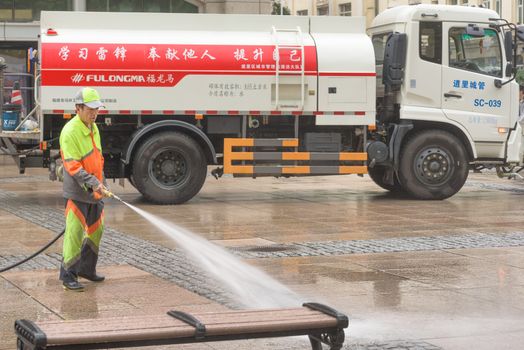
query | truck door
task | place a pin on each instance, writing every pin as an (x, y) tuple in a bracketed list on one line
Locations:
[(470, 97)]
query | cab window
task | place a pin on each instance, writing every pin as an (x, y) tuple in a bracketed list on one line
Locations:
[(475, 54), (430, 41)]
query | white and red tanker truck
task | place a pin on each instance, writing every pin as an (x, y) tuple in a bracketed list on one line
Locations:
[(424, 97)]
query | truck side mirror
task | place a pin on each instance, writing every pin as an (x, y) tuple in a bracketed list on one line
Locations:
[(394, 59), (508, 48), (509, 69), (474, 31), (508, 45)]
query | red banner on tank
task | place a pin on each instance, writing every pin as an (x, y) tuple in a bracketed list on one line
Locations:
[(160, 64), (168, 57)]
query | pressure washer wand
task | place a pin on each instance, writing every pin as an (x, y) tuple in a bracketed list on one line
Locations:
[(118, 198), (110, 194)]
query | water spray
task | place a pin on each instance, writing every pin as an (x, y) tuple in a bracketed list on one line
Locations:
[(247, 285)]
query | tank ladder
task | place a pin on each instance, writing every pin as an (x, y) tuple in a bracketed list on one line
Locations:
[(299, 46)]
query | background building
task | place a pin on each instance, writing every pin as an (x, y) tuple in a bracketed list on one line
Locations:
[(512, 10)]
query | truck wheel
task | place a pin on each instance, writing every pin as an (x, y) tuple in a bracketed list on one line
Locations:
[(433, 165), (131, 180), (169, 168), (377, 175)]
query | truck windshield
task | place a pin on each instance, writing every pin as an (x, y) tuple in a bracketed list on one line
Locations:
[(476, 54)]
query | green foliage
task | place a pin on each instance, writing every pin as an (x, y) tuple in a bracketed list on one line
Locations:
[(276, 9), (520, 76)]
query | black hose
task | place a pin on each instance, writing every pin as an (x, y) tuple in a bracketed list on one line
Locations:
[(35, 254)]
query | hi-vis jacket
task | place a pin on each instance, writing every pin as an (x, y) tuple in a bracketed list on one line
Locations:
[(81, 153)]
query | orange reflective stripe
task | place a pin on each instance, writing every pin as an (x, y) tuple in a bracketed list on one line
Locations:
[(89, 229), (72, 207), (92, 229), (93, 164), (99, 164), (72, 166)]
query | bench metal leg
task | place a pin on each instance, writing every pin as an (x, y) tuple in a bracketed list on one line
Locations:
[(334, 340), (316, 344)]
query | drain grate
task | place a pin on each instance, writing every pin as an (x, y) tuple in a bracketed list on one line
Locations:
[(272, 248)]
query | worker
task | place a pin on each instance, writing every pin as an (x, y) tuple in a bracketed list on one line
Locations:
[(84, 189)]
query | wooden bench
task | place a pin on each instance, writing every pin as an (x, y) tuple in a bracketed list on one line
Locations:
[(321, 323)]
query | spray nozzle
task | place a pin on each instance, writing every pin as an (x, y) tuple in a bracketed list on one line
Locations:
[(110, 194)]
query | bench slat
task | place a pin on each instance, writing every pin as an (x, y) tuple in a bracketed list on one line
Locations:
[(116, 336), (180, 329), (159, 321), (186, 332), (210, 316), (263, 327)]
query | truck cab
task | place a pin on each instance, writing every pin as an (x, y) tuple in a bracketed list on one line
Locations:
[(456, 106)]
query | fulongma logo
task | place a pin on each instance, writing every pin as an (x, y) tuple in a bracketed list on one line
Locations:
[(112, 78), (77, 78), (116, 78)]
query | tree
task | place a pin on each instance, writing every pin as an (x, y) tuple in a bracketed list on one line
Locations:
[(520, 76), (276, 9)]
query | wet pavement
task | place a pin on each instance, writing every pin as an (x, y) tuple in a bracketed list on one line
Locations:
[(409, 274)]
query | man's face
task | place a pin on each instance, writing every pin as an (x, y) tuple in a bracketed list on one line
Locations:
[(86, 114)]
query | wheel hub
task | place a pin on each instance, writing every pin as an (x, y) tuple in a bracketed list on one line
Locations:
[(433, 166), (168, 168)]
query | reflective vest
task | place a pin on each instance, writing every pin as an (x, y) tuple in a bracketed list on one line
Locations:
[(81, 153)]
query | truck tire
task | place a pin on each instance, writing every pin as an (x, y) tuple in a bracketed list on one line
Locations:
[(377, 175), (169, 168), (131, 180), (433, 165)]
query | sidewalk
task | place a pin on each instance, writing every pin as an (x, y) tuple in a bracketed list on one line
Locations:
[(409, 274)]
